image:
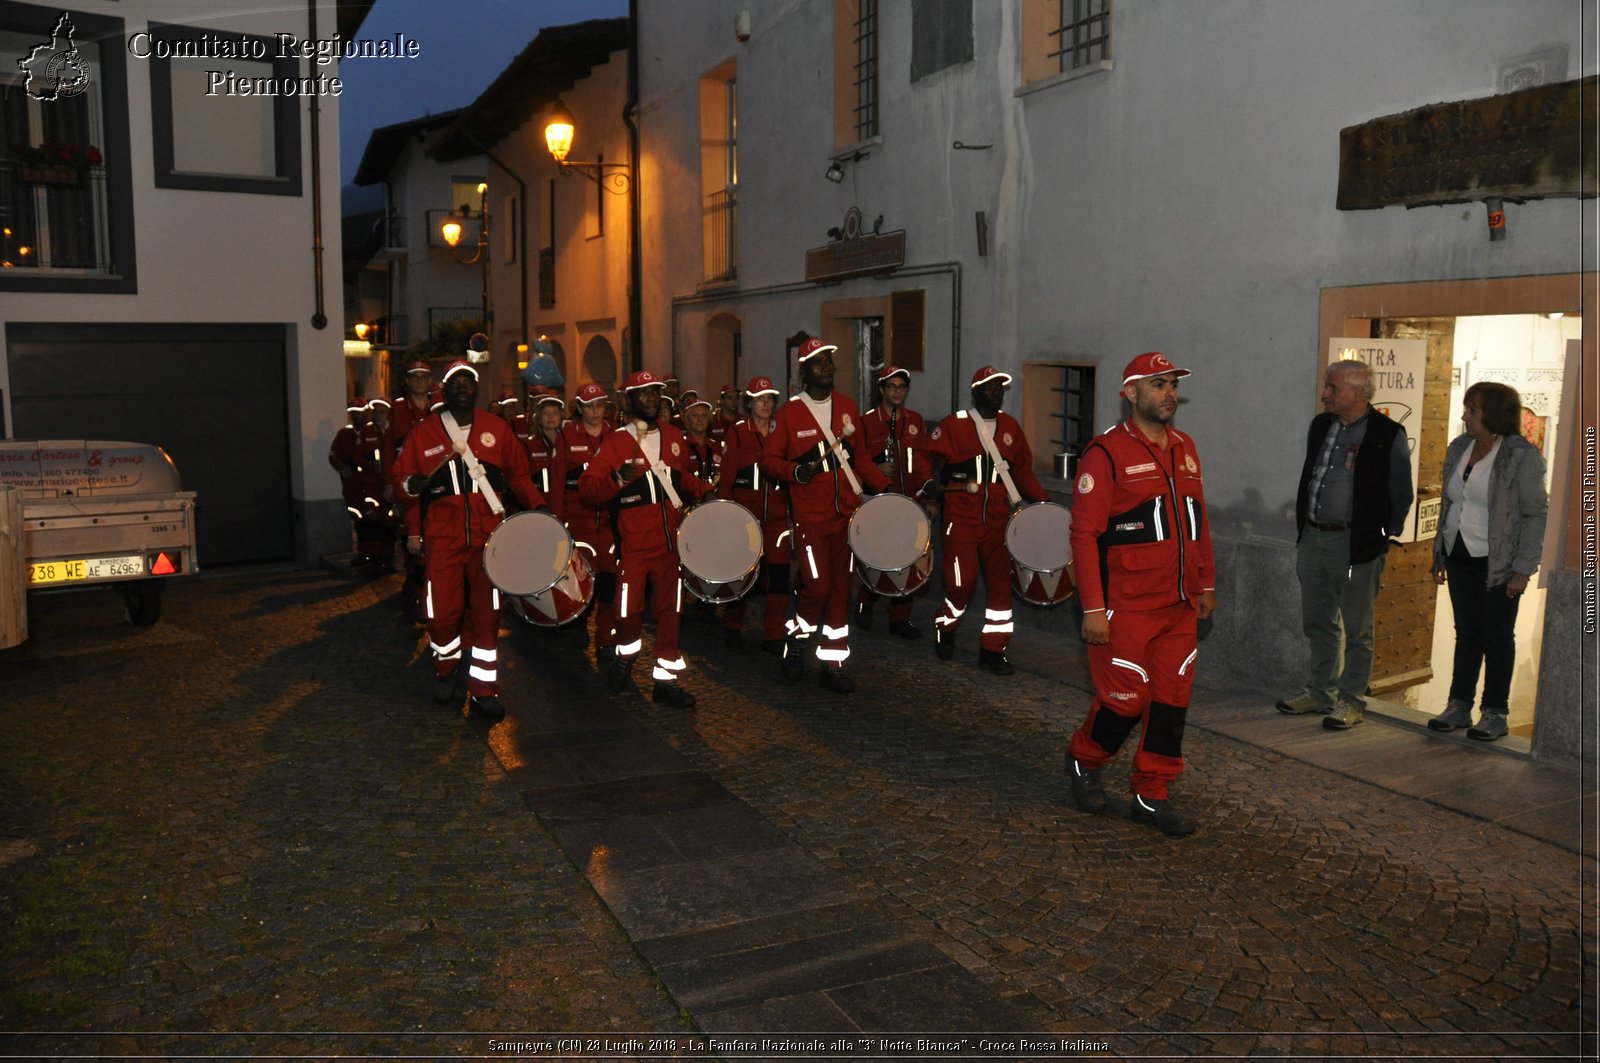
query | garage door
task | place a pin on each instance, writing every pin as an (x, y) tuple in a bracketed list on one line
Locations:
[(214, 396)]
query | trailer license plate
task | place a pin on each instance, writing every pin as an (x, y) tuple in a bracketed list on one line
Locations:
[(44, 572)]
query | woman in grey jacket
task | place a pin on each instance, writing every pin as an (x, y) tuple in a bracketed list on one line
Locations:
[(1491, 530)]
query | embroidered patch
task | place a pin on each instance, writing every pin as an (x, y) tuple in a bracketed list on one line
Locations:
[(805, 433), (431, 451), (1005, 437), (487, 439), (848, 427), (1085, 484), (935, 434), (1188, 463), (1148, 466), (911, 429), (674, 448)]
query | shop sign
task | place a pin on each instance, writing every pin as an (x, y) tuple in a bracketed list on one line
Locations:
[(1531, 144), (855, 253)]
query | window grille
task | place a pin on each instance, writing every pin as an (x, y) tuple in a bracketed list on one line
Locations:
[(867, 70), (1072, 419), (1083, 38)]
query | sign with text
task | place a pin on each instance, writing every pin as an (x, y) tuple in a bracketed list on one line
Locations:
[(1530, 144), (1399, 371)]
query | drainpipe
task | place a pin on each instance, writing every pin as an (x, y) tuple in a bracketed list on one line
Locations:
[(319, 319), (630, 112)]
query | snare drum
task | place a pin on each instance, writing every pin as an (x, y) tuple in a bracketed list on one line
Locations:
[(532, 560), (1038, 537), (892, 541), (719, 551)]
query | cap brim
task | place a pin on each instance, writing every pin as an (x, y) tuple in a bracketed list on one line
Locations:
[(460, 369), (1165, 372), (826, 348), (1003, 377)]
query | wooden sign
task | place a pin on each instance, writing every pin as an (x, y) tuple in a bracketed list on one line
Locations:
[(1532, 144), (863, 256)]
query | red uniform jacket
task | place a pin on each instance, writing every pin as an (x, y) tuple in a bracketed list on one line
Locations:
[(575, 448), (796, 439), (967, 464), (742, 478), (1139, 528), (644, 517), (909, 469), (541, 462), (403, 417), (705, 459), (456, 511)]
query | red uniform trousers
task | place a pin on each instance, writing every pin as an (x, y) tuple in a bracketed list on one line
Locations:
[(827, 573), (777, 542), (457, 584), (968, 550), (665, 587), (1143, 673), (598, 542)]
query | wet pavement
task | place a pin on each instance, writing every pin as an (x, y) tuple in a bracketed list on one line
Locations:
[(247, 830)]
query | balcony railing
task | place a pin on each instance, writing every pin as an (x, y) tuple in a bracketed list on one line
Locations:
[(54, 220), (471, 227), (719, 231), (444, 315)]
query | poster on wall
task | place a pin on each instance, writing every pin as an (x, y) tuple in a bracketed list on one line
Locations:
[(1399, 373)]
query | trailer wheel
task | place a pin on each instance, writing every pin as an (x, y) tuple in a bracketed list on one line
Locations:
[(143, 604)]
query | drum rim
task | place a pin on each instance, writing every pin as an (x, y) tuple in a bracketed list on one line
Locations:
[(897, 499), (572, 548), (749, 520), (1011, 523)]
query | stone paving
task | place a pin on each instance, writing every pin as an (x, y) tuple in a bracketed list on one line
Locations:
[(250, 818)]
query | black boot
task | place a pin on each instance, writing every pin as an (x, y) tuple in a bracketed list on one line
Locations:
[(618, 672), (905, 629), (944, 644), (444, 689), (995, 661), (794, 660), (834, 679), (864, 616), (673, 695)]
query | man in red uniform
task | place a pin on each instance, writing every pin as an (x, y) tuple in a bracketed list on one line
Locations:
[(987, 473), (766, 498), (811, 449), (375, 531), (1145, 572), (509, 407), (409, 409), (894, 435), (705, 452), (589, 526), (727, 413), (454, 469), (642, 474), (355, 479)]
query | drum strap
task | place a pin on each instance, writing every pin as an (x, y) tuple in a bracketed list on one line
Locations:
[(835, 448), (1001, 466), (663, 474), (459, 437)]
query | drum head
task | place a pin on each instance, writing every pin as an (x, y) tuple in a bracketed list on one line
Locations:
[(527, 554), (719, 541), (889, 532), (1039, 537)]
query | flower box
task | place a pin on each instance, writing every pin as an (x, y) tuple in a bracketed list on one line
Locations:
[(50, 175)]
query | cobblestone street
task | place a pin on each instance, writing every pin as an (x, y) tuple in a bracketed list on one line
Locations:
[(249, 818)]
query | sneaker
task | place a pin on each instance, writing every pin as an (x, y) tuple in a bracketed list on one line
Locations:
[(944, 644), (488, 707), (1490, 726), (1344, 716), (444, 689), (732, 637), (995, 661), (834, 679), (1303, 704), (1456, 715), (672, 694), (905, 629), (1160, 815), (1088, 792), (794, 660), (863, 616), (618, 672)]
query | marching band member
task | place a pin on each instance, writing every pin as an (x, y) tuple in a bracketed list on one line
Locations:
[(767, 499), (544, 440), (891, 430), (589, 526)]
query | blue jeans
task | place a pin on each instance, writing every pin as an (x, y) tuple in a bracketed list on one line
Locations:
[(1486, 619)]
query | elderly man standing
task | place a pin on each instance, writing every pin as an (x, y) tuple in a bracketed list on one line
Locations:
[(1355, 492)]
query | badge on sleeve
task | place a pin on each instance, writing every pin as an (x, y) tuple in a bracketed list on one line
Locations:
[(675, 448), (487, 439), (1085, 484), (1188, 463), (911, 429), (1005, 437)]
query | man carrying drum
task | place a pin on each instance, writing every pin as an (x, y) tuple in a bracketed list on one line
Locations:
[(987, 473), (642, 474), (1146, 576), (589, 526), (894, 434), (810, 449), (453, 470), (766, 497)]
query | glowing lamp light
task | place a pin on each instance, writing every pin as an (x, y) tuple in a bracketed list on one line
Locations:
[(522, 356), (361, 330), (558, 132), (451, 231)]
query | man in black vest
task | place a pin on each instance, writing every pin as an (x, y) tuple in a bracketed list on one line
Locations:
[(1355, 492)]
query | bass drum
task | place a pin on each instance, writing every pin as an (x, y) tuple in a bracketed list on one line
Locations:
[(719, 551), (533, 561), (892, 541), (1038, 537)]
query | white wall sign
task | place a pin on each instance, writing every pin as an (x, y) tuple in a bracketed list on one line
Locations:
[(1399, 371)]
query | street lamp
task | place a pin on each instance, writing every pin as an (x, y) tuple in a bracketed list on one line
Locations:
[(450, 230), (558, 129)]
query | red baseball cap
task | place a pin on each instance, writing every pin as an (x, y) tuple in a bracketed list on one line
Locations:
[(643, 379), (760, 385), (458, 366), (549, 397), (377, 402), (988, 373), (730, 389), (1151, 363), (889, 372), (507, 395), (418, 367), (815, 346), (591, 393), (357, 403), (696, 401)]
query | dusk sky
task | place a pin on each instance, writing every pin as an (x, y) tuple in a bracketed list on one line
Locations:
[(464, 46)]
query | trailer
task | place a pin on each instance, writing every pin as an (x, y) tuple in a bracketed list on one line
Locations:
[(102, 512)]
